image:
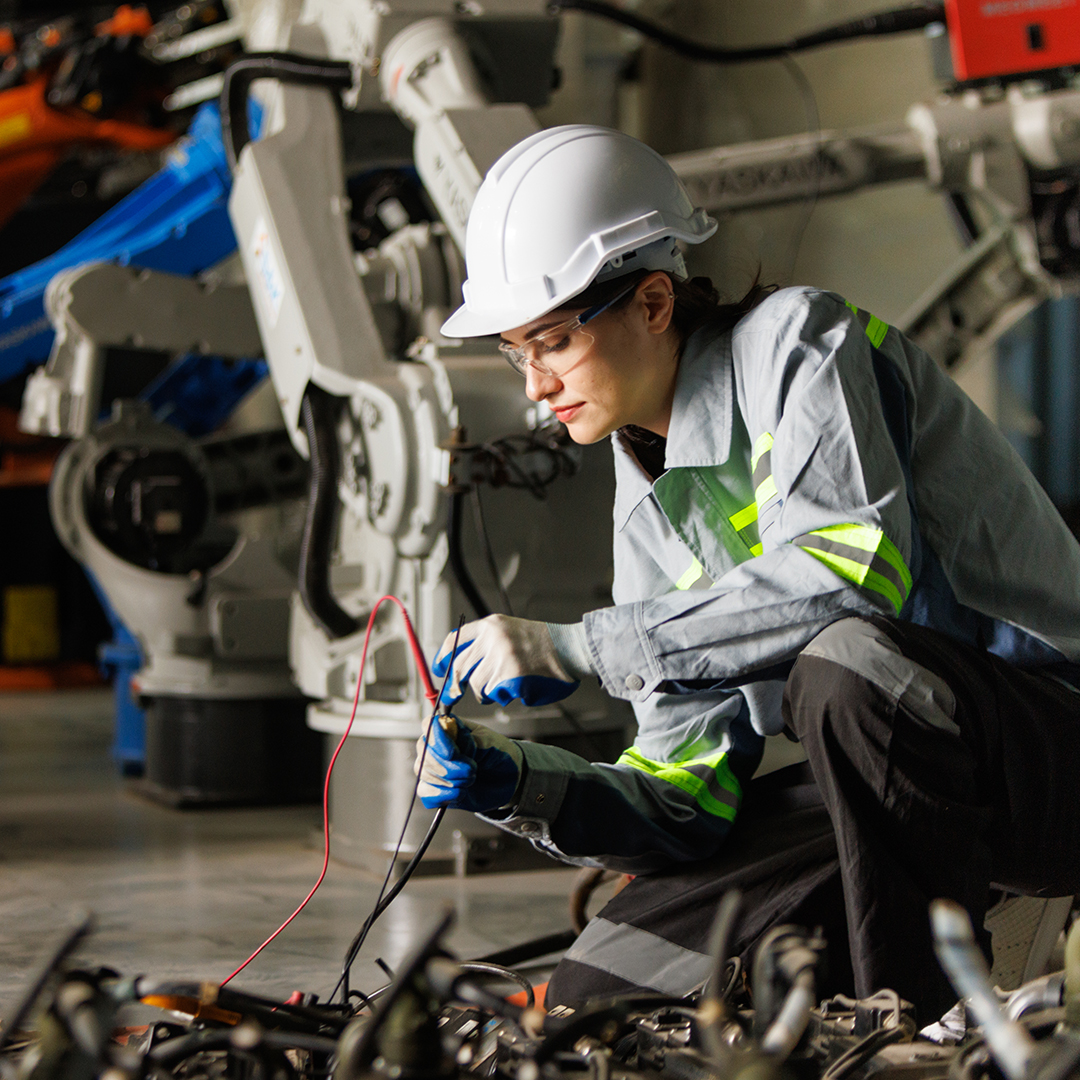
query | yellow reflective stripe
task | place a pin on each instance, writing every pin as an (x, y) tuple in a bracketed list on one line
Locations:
[(762, 446), (765, 491), (862, 555), (757, 549), (876, 331), (746, 516), (874, 327), (693, 572), (860, 575), (869, 539), (719, 795)]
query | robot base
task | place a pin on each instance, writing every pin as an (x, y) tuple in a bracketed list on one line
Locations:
[(227, 752)]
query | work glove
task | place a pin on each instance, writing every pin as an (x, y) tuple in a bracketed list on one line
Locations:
[(466, 766), (505, 659)]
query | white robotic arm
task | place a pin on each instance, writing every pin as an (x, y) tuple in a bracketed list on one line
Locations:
[(968, 147), (402, 428)]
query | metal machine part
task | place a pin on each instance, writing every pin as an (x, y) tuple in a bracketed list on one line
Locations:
[(442, 1017), (213, 615), (99, 305), (1010, 41), (1016, 156), (147, 506), (195, 545), (428, 76)]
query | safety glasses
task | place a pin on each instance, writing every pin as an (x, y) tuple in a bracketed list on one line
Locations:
[(554, 345)]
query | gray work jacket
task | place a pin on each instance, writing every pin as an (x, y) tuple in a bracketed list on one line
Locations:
[(818, 465)]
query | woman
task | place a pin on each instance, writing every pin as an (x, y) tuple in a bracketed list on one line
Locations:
[(814, 529)]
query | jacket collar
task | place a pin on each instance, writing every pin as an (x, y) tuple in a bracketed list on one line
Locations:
[(701, 414), (701, 420), (632, 483)]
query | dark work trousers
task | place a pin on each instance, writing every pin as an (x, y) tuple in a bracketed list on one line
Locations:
[(934, 769)]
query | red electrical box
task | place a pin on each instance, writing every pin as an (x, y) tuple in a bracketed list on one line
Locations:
[(990, 38)]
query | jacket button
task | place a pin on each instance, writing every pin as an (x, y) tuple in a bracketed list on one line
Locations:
[(633, 682)]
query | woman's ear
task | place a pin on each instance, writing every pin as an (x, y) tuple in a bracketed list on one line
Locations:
[(656, 294)]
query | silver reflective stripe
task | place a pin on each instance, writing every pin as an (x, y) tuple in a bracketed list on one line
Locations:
[(640, 958), (763, 480), (707, 773), (762, 470)]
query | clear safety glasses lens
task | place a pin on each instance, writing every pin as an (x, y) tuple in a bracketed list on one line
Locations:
[(552, 341), (557, 341)]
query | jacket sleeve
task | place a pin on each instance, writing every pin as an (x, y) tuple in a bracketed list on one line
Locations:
[(832, 504), (671, 797)]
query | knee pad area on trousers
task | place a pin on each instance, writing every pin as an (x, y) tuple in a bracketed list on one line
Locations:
[(864, 649)]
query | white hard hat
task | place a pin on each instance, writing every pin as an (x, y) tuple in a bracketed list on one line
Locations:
[(561, 209)]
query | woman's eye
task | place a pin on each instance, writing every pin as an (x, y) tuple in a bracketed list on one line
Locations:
[(557, 347)]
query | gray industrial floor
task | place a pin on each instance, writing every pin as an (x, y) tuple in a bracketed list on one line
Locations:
[(191, 893)]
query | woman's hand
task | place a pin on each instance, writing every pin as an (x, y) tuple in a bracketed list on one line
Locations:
[(466, 766), (503, 659)]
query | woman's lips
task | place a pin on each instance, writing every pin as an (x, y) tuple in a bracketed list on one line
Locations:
[(566, 413)]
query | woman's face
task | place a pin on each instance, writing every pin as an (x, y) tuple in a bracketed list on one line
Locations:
[(617, 369)]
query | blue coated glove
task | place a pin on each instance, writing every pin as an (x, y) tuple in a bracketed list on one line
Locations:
[(504, 659), (466, 766)]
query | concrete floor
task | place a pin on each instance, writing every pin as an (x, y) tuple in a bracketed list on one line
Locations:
[(190, 894)]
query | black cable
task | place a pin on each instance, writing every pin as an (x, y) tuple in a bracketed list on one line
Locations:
[(274, 1014), (530, 950), (364, 999), (356, 1053), (864, 1050), (171, 1053), (548, 447), (319, 413), (727, 915), (894, 21), (287, 67), (456, 556), (713, 1007), (485, 967), (383, 900), (62, 950)]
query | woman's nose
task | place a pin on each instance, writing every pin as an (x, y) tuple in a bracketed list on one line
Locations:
[(539, 385)]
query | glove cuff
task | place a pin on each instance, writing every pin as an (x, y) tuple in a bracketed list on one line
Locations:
[(572, 648)]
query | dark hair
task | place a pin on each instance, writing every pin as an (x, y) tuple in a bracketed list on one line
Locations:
[(697, 303), (697, 300)]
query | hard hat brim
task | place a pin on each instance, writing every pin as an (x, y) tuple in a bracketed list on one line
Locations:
[(469, 324)]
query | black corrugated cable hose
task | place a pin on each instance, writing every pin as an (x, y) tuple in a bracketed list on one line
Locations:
[(319, 412), (287, 67), (894, 21)]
